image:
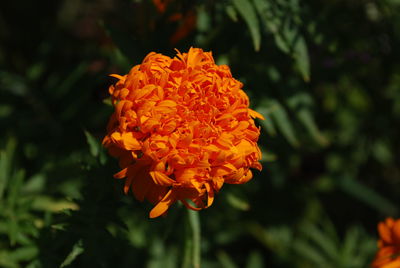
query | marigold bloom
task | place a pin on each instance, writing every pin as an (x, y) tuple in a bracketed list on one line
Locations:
[(388, 255), (182, 128)]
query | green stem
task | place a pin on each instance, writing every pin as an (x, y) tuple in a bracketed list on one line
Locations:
[(194, 222)]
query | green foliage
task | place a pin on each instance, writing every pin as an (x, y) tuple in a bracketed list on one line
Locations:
[(325, 75)]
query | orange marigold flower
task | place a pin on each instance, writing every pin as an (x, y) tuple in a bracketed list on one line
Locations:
[(388, 255), (182, 128)]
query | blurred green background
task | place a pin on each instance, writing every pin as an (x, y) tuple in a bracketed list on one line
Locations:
[(325, 74)]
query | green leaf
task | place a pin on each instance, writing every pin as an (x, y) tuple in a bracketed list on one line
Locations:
[(71, 79), (6, 110), (283, 123), (278, 239), (350, 245), (267, 123), (367, 195), (77, 250), (310, 253), (13, 83), (230, 10), (301, 104), (300, 54), (15, 188), (246, 10), (95, 147), (6, 157), (94, 144), (13, 230), (255, 260), (6, 261), (267, 14), (24, 254), (35, 71), (307, 119), (322, 240), (35, 184), (225, 260), (4, 163), (237, 202)]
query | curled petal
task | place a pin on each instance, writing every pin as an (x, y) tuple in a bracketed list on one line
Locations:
[(163, 205), (161, 179), (255, 114)]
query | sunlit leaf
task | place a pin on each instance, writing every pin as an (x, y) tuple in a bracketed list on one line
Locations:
[(24, 254), (77, 250), (96, 149), (94, 145), (15, 188), (230, 10), (237, 202), (35, 184)]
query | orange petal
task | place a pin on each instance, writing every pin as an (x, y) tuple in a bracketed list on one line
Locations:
[(217, 183), (396, 231), (223, 170), (247, 177), (392, 264), (384, 233), (163, 205), (161, 179), (257, 166), (210, 195), (185, 175), (383, 256), (225, 140), (255, 114), (117, 76), (235, 176), (389, 222), (167, 103), (126, 140), (130, 143), (121, 174), (141, 184)]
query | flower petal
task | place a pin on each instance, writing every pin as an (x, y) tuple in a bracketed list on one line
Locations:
[(163, 205), (255, 114), (161, 179), (385, 233)]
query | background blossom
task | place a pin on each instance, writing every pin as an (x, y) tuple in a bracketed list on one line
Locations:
[(388, 255)]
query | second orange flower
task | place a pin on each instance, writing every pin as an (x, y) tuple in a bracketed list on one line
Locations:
[(388, 255), (182, 128)]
